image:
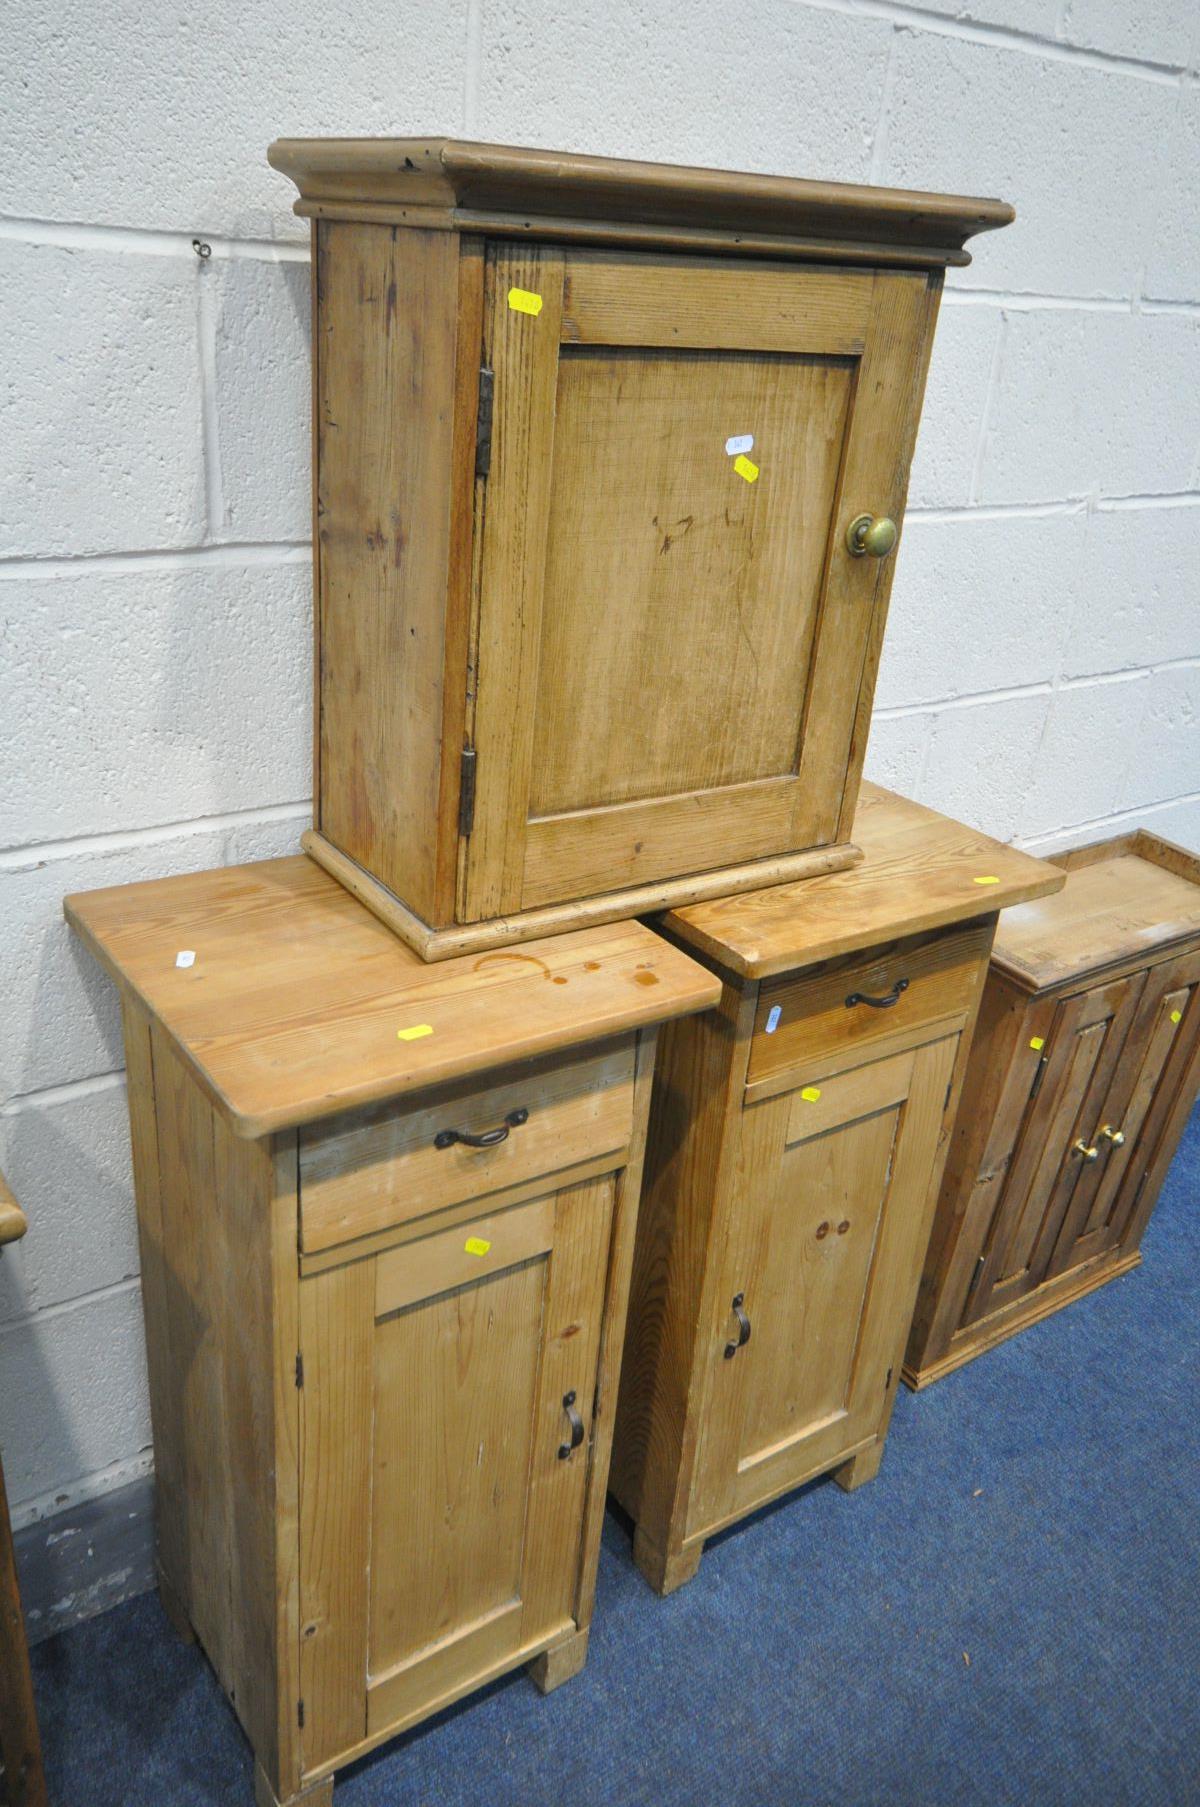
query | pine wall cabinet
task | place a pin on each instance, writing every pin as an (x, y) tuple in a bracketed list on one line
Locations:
[(386, 1214), (797, 1135), (609, 459), (1085, 1066)]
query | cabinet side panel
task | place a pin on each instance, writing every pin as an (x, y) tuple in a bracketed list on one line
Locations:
[(1001, 1066), (223, 1228), (701, 1065), (170, 1508), (387, 312), (194, 1258)]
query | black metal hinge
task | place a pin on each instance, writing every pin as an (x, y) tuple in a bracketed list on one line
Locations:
[(1038, 1077), (466, 793), (299, 1370), (483, 429)]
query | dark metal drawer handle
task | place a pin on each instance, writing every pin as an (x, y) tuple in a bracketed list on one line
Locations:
[(576, 1424), (737, 1307), (446, 1138), (883, 1003)]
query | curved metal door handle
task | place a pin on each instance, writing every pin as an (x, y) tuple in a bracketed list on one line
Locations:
[(883, 1003), (446, 1138), (576, 1424), (737, 1307)]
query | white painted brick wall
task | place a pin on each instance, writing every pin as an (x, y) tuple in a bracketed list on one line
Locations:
[(101, 402), (1042, 673)]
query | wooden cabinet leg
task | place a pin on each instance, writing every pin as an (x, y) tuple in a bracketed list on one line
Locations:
[(554, 1667), (864, 1467), (319, 1795), (173, 1606), (665, 1571), (20, 1745)]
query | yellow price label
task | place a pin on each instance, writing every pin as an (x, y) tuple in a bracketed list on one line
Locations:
[(476, 1245), (1038, 1043), (415, 1033), (989, 878), (810, 1093), (524, 301), (746, 467), (1177, 1016)]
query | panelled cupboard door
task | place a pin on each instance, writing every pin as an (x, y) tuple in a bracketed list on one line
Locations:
[(657, 609), (1101, 1202), (1085, 1041), (440, 1525), (828, 1226)]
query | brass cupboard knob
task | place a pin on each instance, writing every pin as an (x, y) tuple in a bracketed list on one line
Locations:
[(1088, 1154), (871, 536), (1115, 1136)]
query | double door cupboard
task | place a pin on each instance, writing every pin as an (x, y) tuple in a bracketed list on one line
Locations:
[(386, 1214), (609, 460), (1085, 1066), (797, 1135)]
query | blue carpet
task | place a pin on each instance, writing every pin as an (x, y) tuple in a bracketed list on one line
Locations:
[(1008, 1614)]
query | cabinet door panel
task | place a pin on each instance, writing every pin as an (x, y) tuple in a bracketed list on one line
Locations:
[(440, 1526), (809, 1298), (827, 1232), (1099, 1207), (454, 1389), (621, 543), (1085, 1042)]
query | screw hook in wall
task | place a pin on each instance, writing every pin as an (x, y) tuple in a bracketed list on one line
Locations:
[(203, 251)]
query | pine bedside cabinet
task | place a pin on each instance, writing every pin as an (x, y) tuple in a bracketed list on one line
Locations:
[(1085, 1066), (797, 1135), (609, 459), (386, 1213)]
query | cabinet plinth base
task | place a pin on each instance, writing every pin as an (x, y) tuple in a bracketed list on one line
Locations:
[(319, 1795), (174, 1608), (554, 1667), (557, 919), (665, 1571), (989, 1335), (861, 1468)]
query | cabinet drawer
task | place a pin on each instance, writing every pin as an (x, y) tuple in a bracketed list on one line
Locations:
[(385, 1167), (817, 1016)]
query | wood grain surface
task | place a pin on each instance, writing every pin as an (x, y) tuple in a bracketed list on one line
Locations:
[(300, 1003), (920, 870)]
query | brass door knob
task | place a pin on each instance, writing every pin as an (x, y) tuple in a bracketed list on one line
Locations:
[(1115, 1136), (871, 536), (1089, 1154)]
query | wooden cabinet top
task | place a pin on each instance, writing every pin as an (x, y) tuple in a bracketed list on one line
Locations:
[(920, 871), (443, 182), (1126, 899), (299, 1003)]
